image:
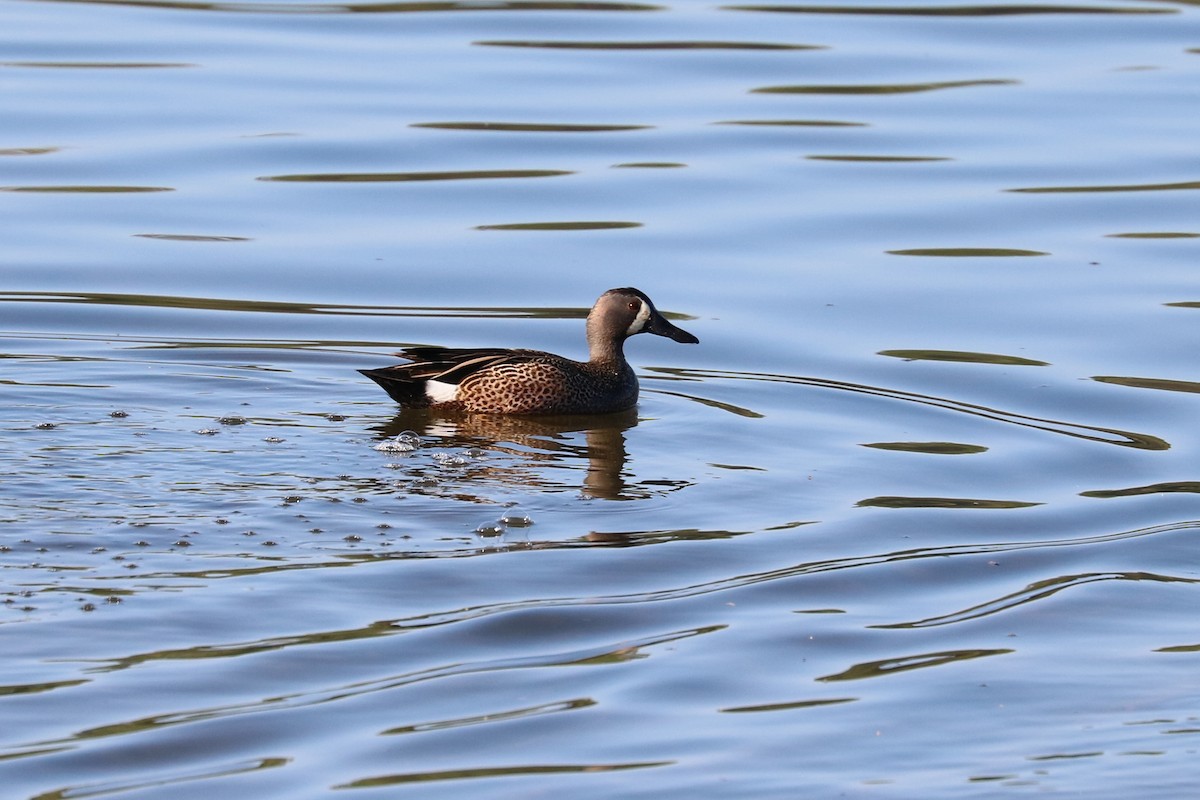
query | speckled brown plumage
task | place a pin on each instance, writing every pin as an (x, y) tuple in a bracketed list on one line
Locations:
[(499, 381)]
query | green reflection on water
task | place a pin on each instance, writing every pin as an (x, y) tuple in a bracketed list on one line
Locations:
[(963, 356), (935, 448), (967, 252), (941, 502)]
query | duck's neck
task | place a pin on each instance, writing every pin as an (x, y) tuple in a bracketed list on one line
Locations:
[(604, 348)]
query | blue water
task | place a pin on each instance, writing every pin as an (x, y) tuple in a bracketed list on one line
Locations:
[(916, 518)]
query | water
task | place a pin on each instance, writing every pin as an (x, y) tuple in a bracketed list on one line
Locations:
[(917, 516)]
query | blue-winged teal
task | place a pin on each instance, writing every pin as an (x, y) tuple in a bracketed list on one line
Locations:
[(494, 381)]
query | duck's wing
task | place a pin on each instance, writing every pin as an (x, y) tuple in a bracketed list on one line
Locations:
[(450, 365), (409, 384)]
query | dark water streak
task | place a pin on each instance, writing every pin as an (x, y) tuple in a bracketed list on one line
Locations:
[(1141, 441)]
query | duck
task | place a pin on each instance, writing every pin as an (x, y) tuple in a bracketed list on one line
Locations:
[(510, 381)]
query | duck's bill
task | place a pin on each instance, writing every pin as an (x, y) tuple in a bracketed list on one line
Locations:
[(659, 325)]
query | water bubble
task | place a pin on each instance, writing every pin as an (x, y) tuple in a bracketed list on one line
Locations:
[(515, 519), (118, 414), (273, 440), (46, 426), (208, 432), (451, 459), (232, 419), (404, 442), (490, 530)]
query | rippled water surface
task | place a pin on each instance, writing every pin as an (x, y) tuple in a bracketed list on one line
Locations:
[(916, 518)]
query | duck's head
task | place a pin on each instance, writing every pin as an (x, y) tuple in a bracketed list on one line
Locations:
[(621, 313)]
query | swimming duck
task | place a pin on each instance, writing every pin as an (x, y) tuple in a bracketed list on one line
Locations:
[(498, 381)]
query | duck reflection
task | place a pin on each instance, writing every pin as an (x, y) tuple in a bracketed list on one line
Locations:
[(538, 450)]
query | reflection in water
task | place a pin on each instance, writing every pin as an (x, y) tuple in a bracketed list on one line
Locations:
[(84, 189), (940, 502), (28, 151), (799, 123), (582, 225), (881, 88), (282, 307), (1186, 487), (191, 237), (494, 716), (608, 653), (376, 8), (1131, 187), (1161, 384), (868, 159), (1154, 235), (1037, 591), (1034, 592), (976, 10), (95, 64), (967, 252), (963, 356), (494, 772), (187, 775), (832, 701), (542, 443), (876, 669), (403, 177), (933, 448), (528, 127), (1141, 441), (672, 45)]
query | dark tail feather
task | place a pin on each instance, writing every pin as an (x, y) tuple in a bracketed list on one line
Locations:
[(400, 387)]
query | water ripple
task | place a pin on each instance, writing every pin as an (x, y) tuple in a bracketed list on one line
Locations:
[(882, 88), (280, 307), (580, 225), (216, 771), (1140, 441), (1128, 187), (967, 252), (888, 666), (963, 357), (568, 44), (402, 177), (376, 8), (1161, 384), (529, 127), (978, 10), (1033, 592), (82, 189), (607, 653), (399, 779)]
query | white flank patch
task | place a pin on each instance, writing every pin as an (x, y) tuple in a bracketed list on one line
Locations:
[(639, 321), (441, 392)]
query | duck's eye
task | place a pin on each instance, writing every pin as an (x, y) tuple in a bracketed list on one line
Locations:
[(634, 305)]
